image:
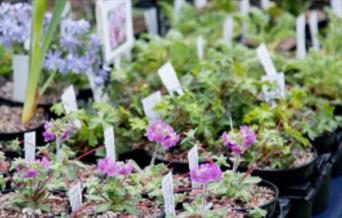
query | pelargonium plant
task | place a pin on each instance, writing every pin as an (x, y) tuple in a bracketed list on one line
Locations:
[(31, 181), (238, 142), (163, 134), (114, 194), (204, 174), (57, 130)]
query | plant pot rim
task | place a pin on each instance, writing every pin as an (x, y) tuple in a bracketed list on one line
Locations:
[(160, 157), (40, 126), (304, 165)]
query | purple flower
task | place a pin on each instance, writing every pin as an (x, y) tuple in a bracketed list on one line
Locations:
[(45, 162), (125, 168), (160, 132), (53, 61), (72, 27), (30, 173), (112, 168), (53, 128), (248, 134), (239, 142), (206, 173), (69, 42), (77, 64)]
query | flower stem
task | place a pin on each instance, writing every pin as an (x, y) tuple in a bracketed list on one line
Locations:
[(58, 148), (154, 155), (204, 200), (236, 164)]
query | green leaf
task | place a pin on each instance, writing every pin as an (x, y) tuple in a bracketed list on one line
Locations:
[(37, 53), (103, 207)]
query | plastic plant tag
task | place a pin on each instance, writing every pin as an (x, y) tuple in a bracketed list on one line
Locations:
[(265, 4), (244, 9), (313, 24), (98, 94), (20, 66), (279, 91), (200, 3), (30, 146), (151, 20), (149, 103), (75, 197), (70, 104), (177, 6), (109, 142), (169, 78), (265, 60), (336, 6), (300, 32), (228, 28), (193, 163), (169, 199), (200, 47)]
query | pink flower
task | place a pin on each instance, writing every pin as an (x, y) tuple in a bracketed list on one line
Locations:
[(125, 169), (239, 142), (160, 132), (30, 173), (206, 173), (45, 162), (111, 168)]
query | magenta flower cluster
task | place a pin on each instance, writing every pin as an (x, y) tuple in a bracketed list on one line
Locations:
[(52, 129), (239, 142), (206, 173), (32, 169), (112, 168), (160, 132)]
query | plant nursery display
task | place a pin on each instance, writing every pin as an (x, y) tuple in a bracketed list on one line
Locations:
[(226, 109)]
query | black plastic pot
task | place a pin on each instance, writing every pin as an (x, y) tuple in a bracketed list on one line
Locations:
[(283, 207), (8, 136), (322, 184), (140, 156), (288, 177), (325, 143), (301, 198), (270, 207), (177, 166), (337, 161)]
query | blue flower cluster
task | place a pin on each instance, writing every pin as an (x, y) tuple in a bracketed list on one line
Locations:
[(14, 25), (76, 51)]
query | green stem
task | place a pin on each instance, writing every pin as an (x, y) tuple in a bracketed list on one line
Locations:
[(236, 164), (47, 83), (204, 200), (154, 155)]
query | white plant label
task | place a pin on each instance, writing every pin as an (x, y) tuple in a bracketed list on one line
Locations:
[(193, 163), (20, 66), (265, 60), (177, 7), (109, 141), (265, 4), (69, 102), (300, 31), (30, 146), (169, 199), (169, 78), (228, 28), (200, 47), (279, 91), (75, 197), (98, 94), (313, 24), (200, 3), (151, 20), (336, 6), (149, 103), (244, 9), (117, 63)]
